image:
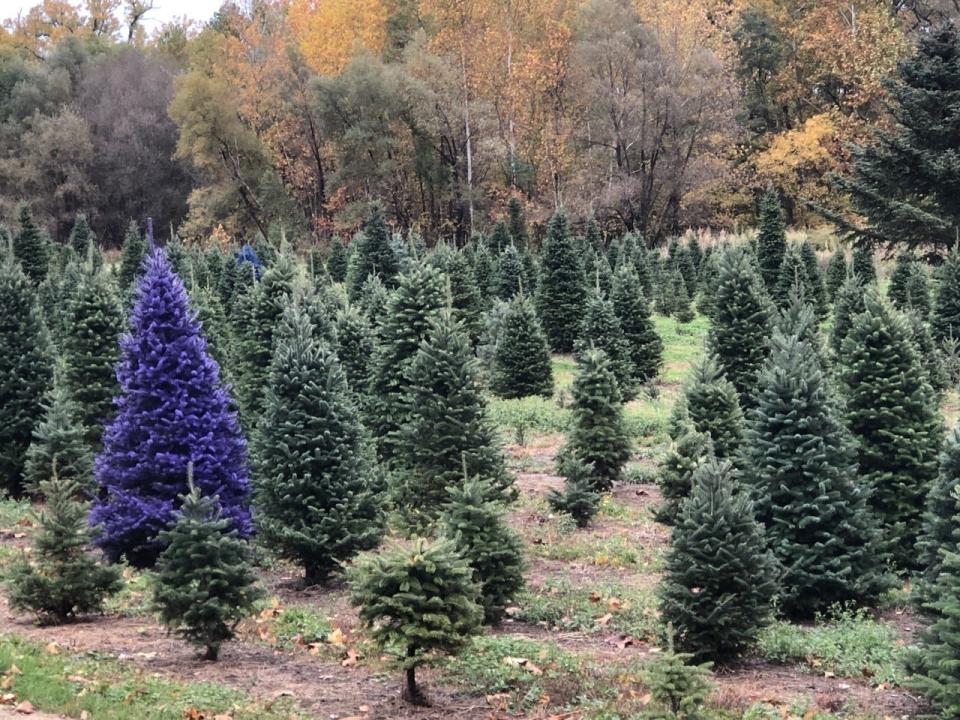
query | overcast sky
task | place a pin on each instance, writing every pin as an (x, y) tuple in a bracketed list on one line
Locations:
[(163, 11)]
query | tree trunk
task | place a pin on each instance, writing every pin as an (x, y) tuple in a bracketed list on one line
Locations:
[(212, 653), (411, 693)]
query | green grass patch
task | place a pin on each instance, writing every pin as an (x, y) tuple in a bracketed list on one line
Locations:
[(109, 690), (849, 645), (134, 597), (301, 626), (528, 416), (15, 512), (682, 345)]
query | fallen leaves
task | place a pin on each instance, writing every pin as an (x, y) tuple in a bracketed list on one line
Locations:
[(523, 663)]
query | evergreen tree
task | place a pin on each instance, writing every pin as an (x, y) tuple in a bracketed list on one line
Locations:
[(904, 184), (918, 291), (561, 292), (793, 274), (850, 302), (484, 273), (713, 407), (799, 465), (930, 357), (315, 473), (894, 422), (945, 318), (215, 328), (897, 290), (465, 295), (517, 223), (511, 278), (814, 288), (355, 347), (679, 690), (131, 257), (939, 519), (337, 260), (578, 499), (521, 361), (172, 413), (601, 330), (204, 582), (835, 274), (690, 449), (695, 253), (719, 579), (418, 602), (862, 265), (417, 301), (61, 581), (682, 310), (644, 346), (82, 237), (499, 239), (374, 254), (597, 435), (445, 430), (30, 247), (740, 322), (771, 240), (25, 371), (374, 301), (475, 522)]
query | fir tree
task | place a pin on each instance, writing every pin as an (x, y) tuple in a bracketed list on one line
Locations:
[(862, 264), (499, 239), (374, 254), (771, 240), (644, 346), (719, 580), (814, 288), (374, 302), (355, 346), (521, 361), (418, 602), (475, 522), (337, 260), (204, 582), (930, 357), (25, 371), (131, 257), (561, 292), (511, 278), (939, 519), (315, 473), (578, 499), (465, 295), (30, 247), (484, 273), (61, 581), (799, 465), (82, 237), (690, 449), (445, 430), (793, 273), (835, 274), (945, 318), (713, 407), (597, 435), (695, 252), (902, 269), (215, 328), (517, 223), (740, 322), (678, 688), (895, 425), (601, 330), (918, 291), (172, 412), (850, 302), (682, 310)]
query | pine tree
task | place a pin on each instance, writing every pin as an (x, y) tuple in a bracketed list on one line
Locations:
[(939, 519), (30, 247), (59, 443), (862, 265), (417, 301), (484, 273), (695, 252), (445, 430), (418, 602), (597, 435), (561, 292), (61, 581), (132, 253), (771, 240), (945, 318), (816, 291), (204, 582), (517, 223), (682, 309), (91, 350), (315, 474), (835, 274), (793, 274), (644, 346), (499, 239), (475, 522), (374, 301), (355, 346), (26, 369), (930, 357), (719, 580), (374, 254), (601, 330), (511, 278), (713, 407), (337, 260), (897, 290), (578, 499), (690, 449), (918, 291), (465, 295), (172, 412), (903, 183), (678, 689), (521, 361), (82, 237), (740, 322), (850, 302), (895, 425), (215, 328), (799, 464)]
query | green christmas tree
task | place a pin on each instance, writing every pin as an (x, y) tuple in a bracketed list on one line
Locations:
[(511, 276), (355, 346), (82, 237), (418, 602), (337, 260), (500, 238), (484, 273), (862, 264), (131, 257), (771, 240), (204, 583), (814, 287), (945, 318), (597, 435), (896, 427), (578, 499), (31, 247), (314, 469), (682, 308), (939, 519), (713, 407), (468, 306), (601, 330), (793, 273), (474, 520), (719, 578), (644, 346), (517, 223), (850, 302), (690, 449), (678, 687), (918, 291), (521, 360), (897, 290), (561, 291), (835, 274), (61, 581), (374, 254)]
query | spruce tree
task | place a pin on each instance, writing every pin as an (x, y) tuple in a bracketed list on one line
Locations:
[(517, 223), (799, 465), (850, 302), (444, 430), (835, 274), (578, 499), (561, 291), (484, 273), (465, 295), (918, 291), (475, 522), (355, 346), (499, 239), (816, 291), (31, 247), (598, 435), (61, 581), (939, 519), (337, 260), (678, 688), (862, 264), (521, 360), (644, 346), (315, 476), (690, 449), (695, 252), (771, 239), (601, 330), (26, 369), (793, 274), (373, 302), (82, 237), (945, 318), (511, 278), (204, 582), (713, 407), (374, 254), (682, 309), (930, 357), (131, 257), (740, 323), (902, 269), (719, 578), (895, 424), (417, 602), (215, 328), (172, 413)]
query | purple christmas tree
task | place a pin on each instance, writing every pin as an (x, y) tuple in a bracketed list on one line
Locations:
[(172, 410)]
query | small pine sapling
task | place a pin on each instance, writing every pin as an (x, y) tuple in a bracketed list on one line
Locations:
[(578, 499)]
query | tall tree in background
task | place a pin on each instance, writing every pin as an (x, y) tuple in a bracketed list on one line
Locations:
[(645, 348), (561, 291), (772, 240), (373, 255)]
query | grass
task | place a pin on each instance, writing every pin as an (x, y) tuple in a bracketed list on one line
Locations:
[(849, 645), (301, 626), (682, 345), (108, 690), (14, 513)]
